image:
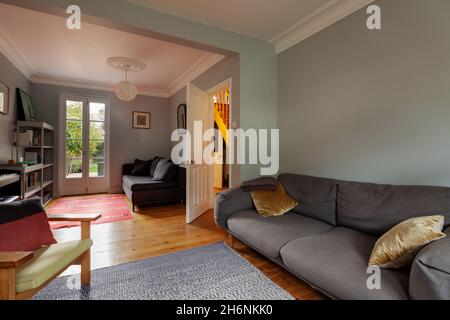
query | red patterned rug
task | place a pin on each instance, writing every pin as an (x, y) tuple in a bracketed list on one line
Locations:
[(113, 207)]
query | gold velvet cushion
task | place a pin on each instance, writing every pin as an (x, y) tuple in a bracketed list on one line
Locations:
[(271, 203), (398, 247)]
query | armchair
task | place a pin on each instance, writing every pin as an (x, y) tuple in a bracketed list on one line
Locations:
[(23, 274)]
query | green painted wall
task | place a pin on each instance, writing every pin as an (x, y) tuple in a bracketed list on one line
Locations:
[(258, 64), (370, 105)]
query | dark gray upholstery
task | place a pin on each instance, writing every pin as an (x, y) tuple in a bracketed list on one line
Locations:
[(336, 261), (430, 272), (316, 196), (153, 165), (334, 258), (164, 170), (144, 190), (248, 225), (141, 167), (137, 183), (263, 183), (230, 202), (127, 169), (375, 208)]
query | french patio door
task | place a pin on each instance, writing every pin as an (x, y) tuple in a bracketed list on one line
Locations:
[(83, 162)]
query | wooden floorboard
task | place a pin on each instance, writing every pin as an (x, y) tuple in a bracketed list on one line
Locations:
[(158, 230)]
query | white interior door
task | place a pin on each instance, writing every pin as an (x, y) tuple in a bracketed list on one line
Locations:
[(198, 173), (83, 161)]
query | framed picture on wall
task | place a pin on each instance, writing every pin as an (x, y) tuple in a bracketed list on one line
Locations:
[(141, 120), (4, 99), (26, 110)]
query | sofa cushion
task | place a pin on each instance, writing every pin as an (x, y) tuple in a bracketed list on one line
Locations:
[(375, 208), (263, 183), (165, 170), (268, 235), (153, 165), (335, 261), (141, 167), (24, 226), (272, 203), (398, 247), (135, 183), (47, 262), (316, 196), (430, 272)]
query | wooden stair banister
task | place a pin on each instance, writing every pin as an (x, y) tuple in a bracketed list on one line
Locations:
[(222, 126)]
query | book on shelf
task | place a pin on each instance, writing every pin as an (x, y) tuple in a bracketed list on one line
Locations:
[(37, 140), (47, 197), (33, 180)]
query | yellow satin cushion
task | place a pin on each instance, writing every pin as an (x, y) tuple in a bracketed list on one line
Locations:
[(271, 203), (398, 247)]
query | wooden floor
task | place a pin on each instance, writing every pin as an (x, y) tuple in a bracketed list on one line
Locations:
[(159, 230)]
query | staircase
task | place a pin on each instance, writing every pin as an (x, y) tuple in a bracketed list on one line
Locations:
[(222, 113)]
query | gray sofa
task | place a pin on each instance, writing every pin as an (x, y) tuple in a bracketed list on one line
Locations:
[(328, 238), (143, 190)]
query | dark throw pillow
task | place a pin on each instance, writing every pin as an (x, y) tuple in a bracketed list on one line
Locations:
[(24, 226), (263, 183), (153, 165), (141, 168), (165, 170)]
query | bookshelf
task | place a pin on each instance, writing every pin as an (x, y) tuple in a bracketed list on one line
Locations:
[(35, 179)]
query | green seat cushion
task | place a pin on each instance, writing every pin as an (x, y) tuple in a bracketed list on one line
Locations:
[(47, 262)]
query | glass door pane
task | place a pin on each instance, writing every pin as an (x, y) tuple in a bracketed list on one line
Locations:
[(74, 140), (97, 131)]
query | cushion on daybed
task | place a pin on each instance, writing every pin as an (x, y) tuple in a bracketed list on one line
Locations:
[(135, 183), (47, 262)]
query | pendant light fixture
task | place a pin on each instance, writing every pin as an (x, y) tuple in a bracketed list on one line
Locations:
[(126, 90)]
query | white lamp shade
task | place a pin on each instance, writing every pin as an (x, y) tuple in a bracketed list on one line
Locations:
[(126, 91)]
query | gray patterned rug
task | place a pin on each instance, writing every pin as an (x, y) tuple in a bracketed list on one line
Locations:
[(207, 273)]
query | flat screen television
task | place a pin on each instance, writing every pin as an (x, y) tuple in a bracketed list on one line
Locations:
[(26, 111)]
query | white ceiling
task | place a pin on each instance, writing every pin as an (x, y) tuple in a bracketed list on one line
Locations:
[(42, 46), (263, 19), (283, 23)]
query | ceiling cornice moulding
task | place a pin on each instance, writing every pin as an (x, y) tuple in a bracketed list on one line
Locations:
[(203, 64), (93, 85), (328, 14), (13, 54)]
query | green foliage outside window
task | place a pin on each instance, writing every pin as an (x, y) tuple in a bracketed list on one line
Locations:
[(74, 144)]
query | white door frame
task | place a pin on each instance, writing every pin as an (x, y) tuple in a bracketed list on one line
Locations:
[(63, 189), (227, 83)]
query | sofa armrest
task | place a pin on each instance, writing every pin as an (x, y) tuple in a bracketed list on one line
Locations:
[(14, 259), (85, 220), (87, 217), (430, 272), (127, 169), (230, 202)]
